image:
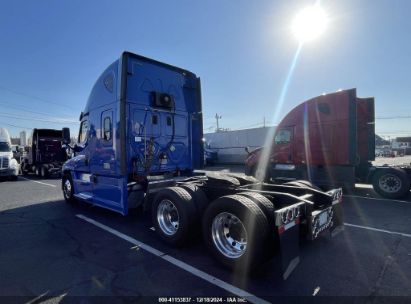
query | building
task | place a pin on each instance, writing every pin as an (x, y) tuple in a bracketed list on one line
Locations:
[(23, 138), (402, 145), (15, 140), (230, 145)]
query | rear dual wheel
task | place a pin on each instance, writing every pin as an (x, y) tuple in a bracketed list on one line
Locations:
[(235, 231), (235, 227), (44, 171), (174, 215), (199, 197)]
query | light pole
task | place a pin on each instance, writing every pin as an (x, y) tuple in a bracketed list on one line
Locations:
[(218, 117)]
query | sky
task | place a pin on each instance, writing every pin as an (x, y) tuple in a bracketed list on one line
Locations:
[(52, 52)]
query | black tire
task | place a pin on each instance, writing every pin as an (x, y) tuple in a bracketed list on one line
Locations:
[(44, 172), (221, 179), (219, 184), (37, 171), (254, 223), (391, 183), (264, 204), (244, 179), (23, 169), (303, 184), (186, 211), (200, 199), (68, 192)]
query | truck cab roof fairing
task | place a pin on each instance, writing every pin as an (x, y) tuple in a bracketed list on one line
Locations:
[(4, 136), (132, 67), (104, 90), (111, 87), (294, 116)]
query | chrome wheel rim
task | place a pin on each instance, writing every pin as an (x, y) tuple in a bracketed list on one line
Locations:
[(229, 235), (67, 189), (390, 183), (167, 217)]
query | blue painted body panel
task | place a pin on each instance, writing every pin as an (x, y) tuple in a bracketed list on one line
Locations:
[(155, 140)]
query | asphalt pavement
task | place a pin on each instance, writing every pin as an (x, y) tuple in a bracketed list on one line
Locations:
[(56, 252)]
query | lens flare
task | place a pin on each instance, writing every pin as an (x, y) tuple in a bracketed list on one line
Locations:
[(309, 23), (263, 168)]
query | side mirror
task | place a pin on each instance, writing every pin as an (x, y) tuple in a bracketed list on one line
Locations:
[(77, 148), (247, 149), (66, 135)]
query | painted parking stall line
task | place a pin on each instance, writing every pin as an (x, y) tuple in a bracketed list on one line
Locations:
[(182, 265), (377, 199), (41, 183), (378, 230)]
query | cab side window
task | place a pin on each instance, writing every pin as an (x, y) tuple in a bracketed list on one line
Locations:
[(283, 136), (83, 132), (107, 130)]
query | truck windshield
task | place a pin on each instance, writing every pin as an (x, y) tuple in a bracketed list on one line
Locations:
[(4, 147), (283, 136)]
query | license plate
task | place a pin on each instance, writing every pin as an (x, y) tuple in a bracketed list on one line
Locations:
[(323, 218)]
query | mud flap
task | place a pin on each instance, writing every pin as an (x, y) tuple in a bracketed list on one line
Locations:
[(338, 220), (289, 248)]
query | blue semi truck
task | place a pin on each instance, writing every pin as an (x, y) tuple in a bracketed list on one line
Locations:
[(140, 145)]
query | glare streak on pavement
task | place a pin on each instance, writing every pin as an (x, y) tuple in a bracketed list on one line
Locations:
[(378, 230), (377, 199), (34, 181)]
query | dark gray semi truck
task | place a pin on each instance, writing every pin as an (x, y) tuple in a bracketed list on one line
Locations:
[(45, 155)]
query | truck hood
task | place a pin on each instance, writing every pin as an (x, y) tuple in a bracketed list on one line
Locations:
[(9, 154)]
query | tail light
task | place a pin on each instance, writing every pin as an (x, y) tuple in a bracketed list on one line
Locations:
[(288, 217)]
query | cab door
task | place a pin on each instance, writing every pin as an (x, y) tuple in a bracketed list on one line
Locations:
[(107, 184), (81, 173)]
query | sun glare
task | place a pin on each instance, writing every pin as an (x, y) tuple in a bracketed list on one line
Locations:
[(309, 23)]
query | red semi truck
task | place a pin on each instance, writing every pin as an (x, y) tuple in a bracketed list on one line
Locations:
[(330, 141)]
